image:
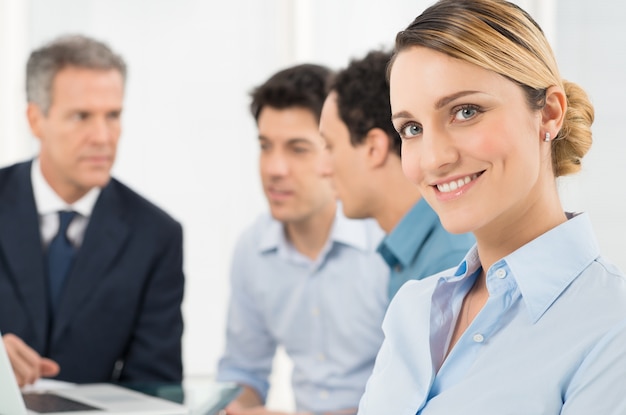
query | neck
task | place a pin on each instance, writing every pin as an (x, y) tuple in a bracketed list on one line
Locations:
[(507, 234), (64, 190), (399, 196), (309, 236)]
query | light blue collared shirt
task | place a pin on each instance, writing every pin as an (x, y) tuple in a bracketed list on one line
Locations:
[(418, 247), (550, 340), (326, 313)]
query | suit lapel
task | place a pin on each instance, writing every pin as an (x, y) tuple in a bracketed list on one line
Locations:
[(104, 238), (20, 241)]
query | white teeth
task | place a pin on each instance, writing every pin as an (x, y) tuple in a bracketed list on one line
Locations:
[(455, 184)]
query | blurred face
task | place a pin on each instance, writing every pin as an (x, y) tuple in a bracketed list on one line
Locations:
[(293, 164), (470, 141), (347, 162), (78, 137)]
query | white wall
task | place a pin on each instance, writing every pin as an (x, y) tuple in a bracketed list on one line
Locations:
[(591, 48), (13, 53), (189, 143)]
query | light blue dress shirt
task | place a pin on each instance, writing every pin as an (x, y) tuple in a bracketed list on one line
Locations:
[(550, 340), (418, 246), (326, 313)]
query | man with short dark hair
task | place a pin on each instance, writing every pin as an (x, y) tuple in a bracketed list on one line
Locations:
[(304, 276), (91, 278)]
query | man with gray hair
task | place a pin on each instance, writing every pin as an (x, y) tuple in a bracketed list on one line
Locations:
[(91, 279)]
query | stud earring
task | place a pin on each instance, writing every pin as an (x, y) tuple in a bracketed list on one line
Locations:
[(547, 137)]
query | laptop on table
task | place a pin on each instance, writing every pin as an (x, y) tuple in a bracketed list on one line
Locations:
[(88, 399)]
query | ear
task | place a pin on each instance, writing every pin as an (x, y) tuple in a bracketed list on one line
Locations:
[(35, 119), (377, 144), (553, 113)]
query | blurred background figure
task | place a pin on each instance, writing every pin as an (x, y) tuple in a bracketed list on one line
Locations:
[(91, 279), (303, 277), (367, 171)]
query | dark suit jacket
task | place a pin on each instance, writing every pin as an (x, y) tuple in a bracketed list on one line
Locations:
[(121, 301)]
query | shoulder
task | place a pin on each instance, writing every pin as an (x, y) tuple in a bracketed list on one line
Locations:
[(604, 285), (259, 227), (139, 210), (361, 234), (416, 293), (264, 228), (610, 270), (416, 288), (15, 172), (408, 315), (373, 232)]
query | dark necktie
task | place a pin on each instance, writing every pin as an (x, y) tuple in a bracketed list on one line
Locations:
[(60, 257)]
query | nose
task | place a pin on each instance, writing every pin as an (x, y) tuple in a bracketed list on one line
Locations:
[(437, 150), (274, 163), (326, 164), (101, 130)]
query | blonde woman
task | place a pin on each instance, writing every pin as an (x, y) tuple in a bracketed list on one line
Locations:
[(533, 320)]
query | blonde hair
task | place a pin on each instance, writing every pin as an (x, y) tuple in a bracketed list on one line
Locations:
[(501, 37)]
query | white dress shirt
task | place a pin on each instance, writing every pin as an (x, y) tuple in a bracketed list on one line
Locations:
[(49, 204)]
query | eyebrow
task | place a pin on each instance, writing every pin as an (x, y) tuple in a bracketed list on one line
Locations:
[(446, 100), (442, 102), (291, 141), (401, 114), (297, 140)]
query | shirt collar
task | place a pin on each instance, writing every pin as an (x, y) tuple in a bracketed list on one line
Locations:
[(544, 267), (405, 239), (345, 231), (47, 201)]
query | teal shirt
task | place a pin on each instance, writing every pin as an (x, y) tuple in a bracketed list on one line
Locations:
[(419, 246)]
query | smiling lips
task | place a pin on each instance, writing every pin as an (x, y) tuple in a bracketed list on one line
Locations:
[(454, 185)]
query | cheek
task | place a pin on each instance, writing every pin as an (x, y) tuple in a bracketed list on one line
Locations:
[(63, 147), (410, 162), (340, 165), (261, 162), (491, 144), (264, 166)]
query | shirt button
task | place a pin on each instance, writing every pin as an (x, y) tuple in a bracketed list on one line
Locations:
[(478, 338), (321, 357), (501, 273), (315, 311), (397, 268), (324, 394)]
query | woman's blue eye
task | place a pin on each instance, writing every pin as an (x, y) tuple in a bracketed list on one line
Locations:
[(465, 113), (410, 130)]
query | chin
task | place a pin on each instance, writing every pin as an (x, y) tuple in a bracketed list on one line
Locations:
[(348, 212), (281, 214), (100, 181), (457, 224)]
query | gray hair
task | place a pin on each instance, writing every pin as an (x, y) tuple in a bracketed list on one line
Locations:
[(66, 51)]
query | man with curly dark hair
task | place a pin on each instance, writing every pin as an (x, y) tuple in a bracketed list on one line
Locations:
[(367, 171)]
